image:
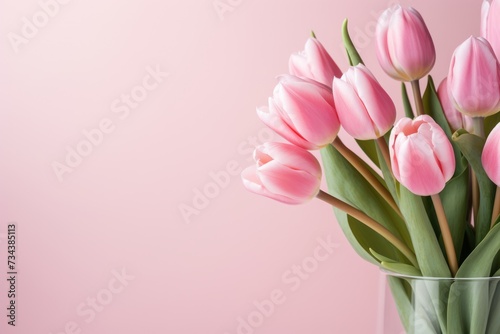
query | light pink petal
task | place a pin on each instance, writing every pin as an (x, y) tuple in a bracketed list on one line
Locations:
[(410, 44), (270, 118), (252, 183), (290, 156), (474, 81), (311, 115), (491, 155), (284, 181), (382, 48), (377, 102), (351, 111), (418, 169)]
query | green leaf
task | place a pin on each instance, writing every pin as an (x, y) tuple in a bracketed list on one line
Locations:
[(352, 53), (381, 257), (401, 268), (454, 197), (406, 102), (474, 297), (370, 149), (494, 319), (490, 122), (360, 194), (479, 263), (429, 255), (472, 147)]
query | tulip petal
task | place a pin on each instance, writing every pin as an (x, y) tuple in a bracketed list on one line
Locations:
[(418, 169), (352, 112), (311, 115), (377, 102), (284, 181), (491, 155), (275, 122), (252, 183), (290, 156)]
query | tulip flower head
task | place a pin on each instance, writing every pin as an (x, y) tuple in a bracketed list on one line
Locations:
[(364, 108), (405, 49), (314, 63), (283, 172), (474, 78), (490, 27), (491, 155), (303, 112), (455, 118), (422, 157)]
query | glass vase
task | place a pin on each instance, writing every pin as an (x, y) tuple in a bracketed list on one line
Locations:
[(427, 305)]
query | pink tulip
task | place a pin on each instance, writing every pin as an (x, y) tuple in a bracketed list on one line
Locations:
[(490, 27), (365, 110), (421, 155), (455, 118), (491, 155), (302, 111), (405, 49), (283, 172), (474, 78), (314, 63)]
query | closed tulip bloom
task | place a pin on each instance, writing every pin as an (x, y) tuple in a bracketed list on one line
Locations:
[(314, 63), (455, 118), (302, 111), (490, 27), (491, 155), (421, 155), (405, 49), (283, 172), (365, 110), (474, 78)]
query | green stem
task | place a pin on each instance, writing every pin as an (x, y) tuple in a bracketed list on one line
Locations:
[(417, 95), (446, 233), (478, 123), (369, 222), (496, 208), (359, 164)]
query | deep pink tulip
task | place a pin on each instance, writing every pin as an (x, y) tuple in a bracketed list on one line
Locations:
[(455, 118), (421, 155), (491, 155), (474, 78), (490, 24), (365, 110), (405, 49), (314, 63), (302, 111), (283, 172)]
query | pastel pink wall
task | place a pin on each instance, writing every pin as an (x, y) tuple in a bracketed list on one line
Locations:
[(104, 248)]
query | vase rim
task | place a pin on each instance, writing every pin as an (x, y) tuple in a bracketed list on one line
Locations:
[(431, 278)]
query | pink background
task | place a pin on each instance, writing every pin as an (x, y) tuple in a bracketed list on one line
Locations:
[(118, 209)]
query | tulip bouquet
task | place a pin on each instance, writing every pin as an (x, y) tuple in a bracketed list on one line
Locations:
[(428, 202)]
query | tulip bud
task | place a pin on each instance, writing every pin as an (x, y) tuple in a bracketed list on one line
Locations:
[(474, 78), (314, 63), (283, 172), (490, 27), (421, 155), (405, 49), (365, 110), (302, 111), (455, 118), (491, 155)]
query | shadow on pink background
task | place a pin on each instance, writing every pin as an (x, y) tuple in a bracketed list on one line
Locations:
[(123, 127)]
